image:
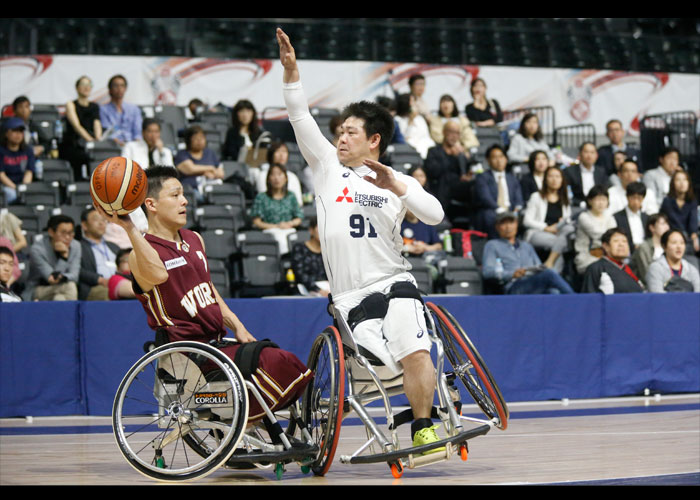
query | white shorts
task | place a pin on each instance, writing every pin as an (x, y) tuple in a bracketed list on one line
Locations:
[(401, 332)]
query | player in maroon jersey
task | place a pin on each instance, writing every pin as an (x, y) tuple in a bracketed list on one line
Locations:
[(173, 284)]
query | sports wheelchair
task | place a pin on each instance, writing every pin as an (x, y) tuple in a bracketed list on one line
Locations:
[(174, 421)]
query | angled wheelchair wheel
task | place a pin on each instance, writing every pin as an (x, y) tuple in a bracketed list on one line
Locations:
[(322, 402), (468, 366), (180, 411)]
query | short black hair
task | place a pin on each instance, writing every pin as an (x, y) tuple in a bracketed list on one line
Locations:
[(191, 132), (628, 160), (157, 175), (147, 122), (669, 150), (584, 144), (19, 100), (414, 78), (607, 235), (597, 190), (492, 148), (120, 254), (665, 237), (111, 81), (7, 251), (636, 188), (84, 214), (58, 219), (376, 118)]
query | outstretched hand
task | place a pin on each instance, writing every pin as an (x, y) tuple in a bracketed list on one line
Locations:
[(288, 57), (385, 178)]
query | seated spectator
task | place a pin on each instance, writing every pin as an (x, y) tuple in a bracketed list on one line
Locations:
[(16, 270), (34, 136), (416, 85), (627, 174), (149, 150), (119, 284), (11, 229), (610, 274), (120, 120), (671, 272), (418, 237), (586, 174), (413, 125), (482, 112), (528, 140), (335, 126), (244, 131), (495, 191), (591, 225), (618, 159), (385, 102), (681, 208), (547, 218), (7, 263), (197, 163), (523, 272), (448, 112), (54, 263), (616, 134), (82, 126), (651, 248), (277, 154), (447, 169), (658, 180), (194, 109), (277, 210), (307, 263), (531, 182), (17, 160), (97, 262), (632, 219)]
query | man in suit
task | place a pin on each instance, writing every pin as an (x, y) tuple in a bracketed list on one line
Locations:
[(495, 192), (586, 174), (616, 133), (98, 257), (632, 220)]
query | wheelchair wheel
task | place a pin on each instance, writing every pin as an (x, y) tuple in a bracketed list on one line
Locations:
[(468, 366), (322, 402), (174, 421)]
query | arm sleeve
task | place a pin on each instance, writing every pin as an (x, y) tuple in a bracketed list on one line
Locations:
[(530, 220), (423, 204), (655, 278)]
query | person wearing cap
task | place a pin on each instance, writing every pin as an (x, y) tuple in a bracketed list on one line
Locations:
[(523, 271), (17, 160)]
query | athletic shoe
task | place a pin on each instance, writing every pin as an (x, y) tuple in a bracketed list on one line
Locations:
[(427, 435)]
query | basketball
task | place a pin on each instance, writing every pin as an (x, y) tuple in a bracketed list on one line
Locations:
[(118, 185)]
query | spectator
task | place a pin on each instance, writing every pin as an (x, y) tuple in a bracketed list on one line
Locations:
[(244, 131), (36, 137), (307, 263), (651, 248), (97, 261), (658, 179), (418, 237), (547, 218), (448, 113), (618, 159), (616, 135), (413, 125), (335, 126), (591, 226), (523, 272), (277, 154), (586, 174), (277, 210), (632, 219), (385, 102), (482, 112), (148, 150), (119, 284), (495, 191), (681, 208), (11, 229), (82, 126), (610, 274), (194, 109), (54, 267), (17, 160), (197, 163), (671, 272), (532, 182), (7, 263), (121, 120), (627, 174), (416, 85), (528, 139), (447, 169)]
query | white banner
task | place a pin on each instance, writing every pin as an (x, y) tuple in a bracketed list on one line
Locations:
[(577, 96)]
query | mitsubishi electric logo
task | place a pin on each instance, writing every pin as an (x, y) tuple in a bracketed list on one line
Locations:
[(364, 200), (344, 196)]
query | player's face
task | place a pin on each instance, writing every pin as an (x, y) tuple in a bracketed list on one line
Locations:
[(6, 265), (171, 204), (617, 248), (353, 145)]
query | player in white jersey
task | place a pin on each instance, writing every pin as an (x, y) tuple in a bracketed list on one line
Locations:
[(360, 205)]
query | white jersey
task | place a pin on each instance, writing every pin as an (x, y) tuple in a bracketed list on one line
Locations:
[(359, 224)]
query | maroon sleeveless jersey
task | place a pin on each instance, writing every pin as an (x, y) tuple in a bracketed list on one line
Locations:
[(185, 304)]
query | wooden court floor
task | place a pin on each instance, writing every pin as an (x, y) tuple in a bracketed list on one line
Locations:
[(652, 440)]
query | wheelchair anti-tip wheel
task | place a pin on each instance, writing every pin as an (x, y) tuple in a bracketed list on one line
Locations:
[(322, 402), (468, 366), (180, 411)]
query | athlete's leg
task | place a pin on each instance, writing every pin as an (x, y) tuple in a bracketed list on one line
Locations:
[(419, 382)]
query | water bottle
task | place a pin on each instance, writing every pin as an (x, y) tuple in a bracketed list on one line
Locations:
[(53, 153), (498, 269), (447, 241), (59, 131)]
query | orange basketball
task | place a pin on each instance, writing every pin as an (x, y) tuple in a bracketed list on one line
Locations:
[(118, 185)]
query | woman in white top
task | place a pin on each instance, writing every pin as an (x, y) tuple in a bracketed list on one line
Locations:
[(448, 112), (591, 225), (547, 218), (413, 126), (528, 139)]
